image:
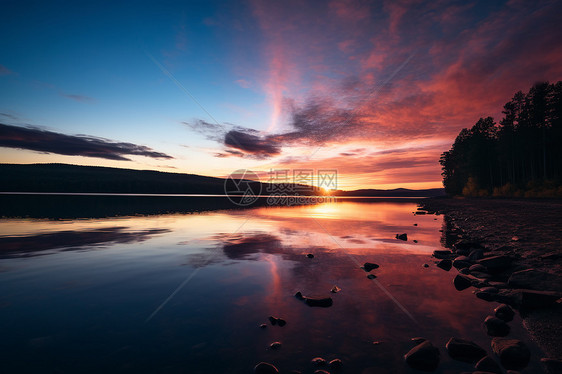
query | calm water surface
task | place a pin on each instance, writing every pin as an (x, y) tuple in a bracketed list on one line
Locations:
[(186, 293)]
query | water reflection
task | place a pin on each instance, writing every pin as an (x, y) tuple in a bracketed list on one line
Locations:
[(85, 311)]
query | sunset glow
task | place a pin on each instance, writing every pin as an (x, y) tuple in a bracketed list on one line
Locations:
[(377, 89)]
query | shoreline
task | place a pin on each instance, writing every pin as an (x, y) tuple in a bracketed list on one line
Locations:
[(525, 232)]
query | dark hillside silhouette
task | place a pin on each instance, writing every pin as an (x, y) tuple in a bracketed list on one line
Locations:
[(520, 156)]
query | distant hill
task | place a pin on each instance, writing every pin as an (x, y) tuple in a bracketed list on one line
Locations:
[(397, 192), (96, 179)]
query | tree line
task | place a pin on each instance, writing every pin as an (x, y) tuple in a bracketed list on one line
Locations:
[(521, 156)]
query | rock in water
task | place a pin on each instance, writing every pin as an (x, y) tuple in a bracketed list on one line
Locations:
[(368, 266), (464, 350), (318, 361), (496, 326), (402, 237), (275, 345), (442, 254), (265, 368), (336, 363), (445, 264), (299, 296), (488, 365), (371, 276), (321, 372), (504, 312), (310, 255), (319, 302), (272, 320), (462, 262), (462, 282), (335, 289), (281, 322), (513, 353), (424, 356)]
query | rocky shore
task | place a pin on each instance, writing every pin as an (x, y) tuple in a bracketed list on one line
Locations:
[(511, 251)]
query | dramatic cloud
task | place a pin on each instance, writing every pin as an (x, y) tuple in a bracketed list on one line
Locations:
[(71, 145), (251, 144)]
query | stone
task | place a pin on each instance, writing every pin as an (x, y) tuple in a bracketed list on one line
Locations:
[(418, 340), (477, 267), (263, 326), (425, 265), (275, 345), (488, 365), (371, 276), (442, 254), (336, 363), (310, 255), (424, 356), (496, 264), (368, 266), (335, 289), (552, 365), (272, 320), (299, 296), (487, 296), (281, 322), (476, 254), (321, 372), (462, 262), (496, 327), (318, 361), (265, 368), (324, 302), (462, 282), (464, 350), (403, 237), (415, 241), (533, 279), (532, 299), (504, 312), (445, 264), (513, 353)]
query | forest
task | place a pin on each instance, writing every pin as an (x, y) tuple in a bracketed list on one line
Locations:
[(521, 156)]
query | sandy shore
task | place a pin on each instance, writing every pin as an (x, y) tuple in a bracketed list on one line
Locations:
[(529, 231)]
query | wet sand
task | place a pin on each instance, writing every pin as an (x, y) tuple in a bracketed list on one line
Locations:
[(527, 230)]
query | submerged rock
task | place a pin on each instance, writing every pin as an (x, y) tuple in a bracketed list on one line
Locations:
[(424, 356), (513, 353), (462, 262), (336, 363), (368, 266), (442, 254), (496, 327), (464, 350), (445, 264), (324, 302), (265, 368), (504, 312), (462, 282), (488, 365), (403, 237), (318, 361)]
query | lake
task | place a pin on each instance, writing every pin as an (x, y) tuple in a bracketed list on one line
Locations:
[(187, 292)]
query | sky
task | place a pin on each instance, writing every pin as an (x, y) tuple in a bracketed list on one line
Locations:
[(376, 90)]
